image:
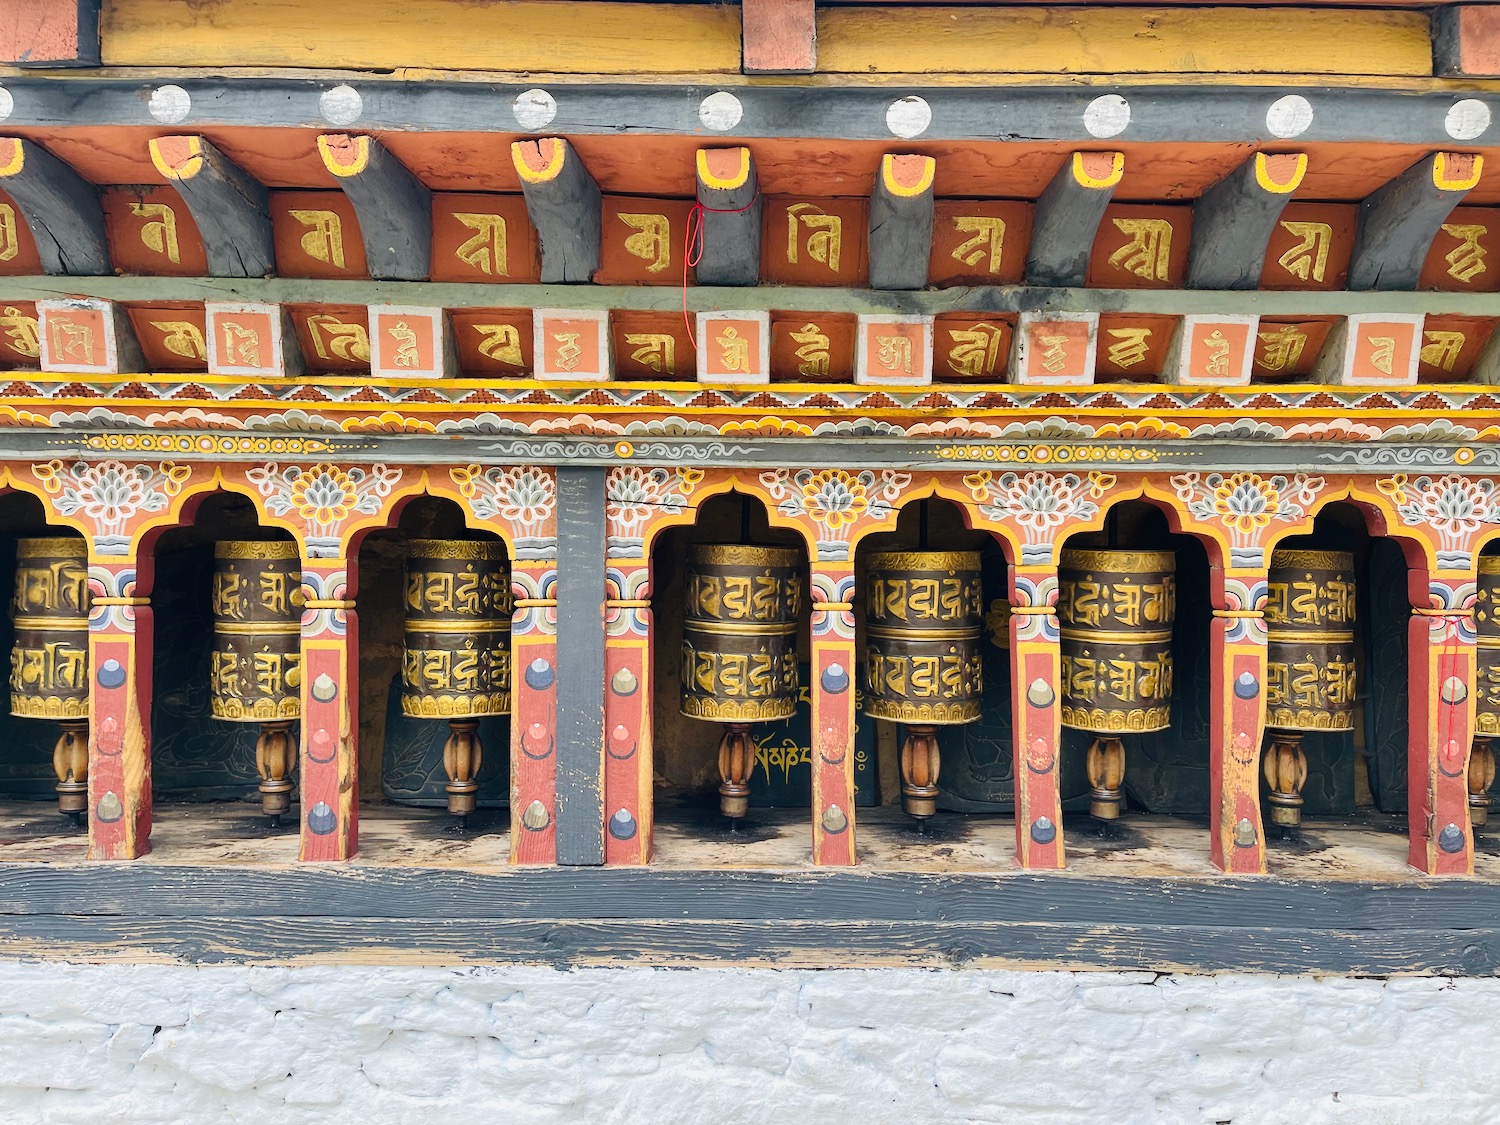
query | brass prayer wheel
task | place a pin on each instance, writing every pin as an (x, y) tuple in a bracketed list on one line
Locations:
[(924, 660), (255, 670), (49, 662), (739, 649), (457, 660), (1486, 689), (1115, 613), (1309, 665)]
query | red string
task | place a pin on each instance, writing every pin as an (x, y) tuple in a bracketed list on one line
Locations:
[(692, 250), (1450, 655)]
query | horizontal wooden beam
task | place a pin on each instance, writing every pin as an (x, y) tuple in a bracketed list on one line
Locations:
[(61, 208), (780, 36)]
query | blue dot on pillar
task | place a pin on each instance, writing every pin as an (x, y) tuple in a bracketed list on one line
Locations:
[(111, 674), (622, 825), (321, 820), (1043, 831), (835, 680), (1451, 839), (1247, 686), (539, 675)]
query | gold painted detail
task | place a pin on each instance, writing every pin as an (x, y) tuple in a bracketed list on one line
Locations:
[(21, 331), (1442, 349), (72, 341), (656, 350), (985, 245), (1132, 346), (336, 339), (894, 353), (48, 707), (202, 443), (1289, 718), (241, 345), (257, 711), (976, 350), (485, 249), (568, 353), (1141, 720), (734, 351), (10, 243), (454, 706), (937, 714), (1383, 353), (1054, 353), (159, 232), (405, 338), (455, 549), (323, 241), (256, 549), (1308, 259), (1119, 562), (1466, 261), (181, 337), (652, 240), (812, 351), (1043, 454), (738, 710), (1281, 348), (1148, 254), (824, 234), (500, 342)]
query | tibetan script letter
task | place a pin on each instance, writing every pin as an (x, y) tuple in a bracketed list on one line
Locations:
[(324, 240), (1148, 254), (10, 244), (975, 351), (21, 332), (1308, 259), (485, 249), (1442, 349), (652, 241), (656, 350), (734, 351), (343, 341), (1466, 260), (985, 246), (825, 234), (181, 337), (813, 352), (501, 342), (159, 232), (1130, 347)]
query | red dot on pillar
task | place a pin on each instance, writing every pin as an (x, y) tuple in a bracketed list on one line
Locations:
[(620, 734), (536, 730), (109, 726), (321, 737)]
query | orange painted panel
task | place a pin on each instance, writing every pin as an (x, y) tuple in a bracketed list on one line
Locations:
[(1310, 247), (171, 335), (1465, 255), (151, 231), (1451, 345), (483, 238), (1141, 247), (493, 343), (335, 339), (642, 241), (1286, 348), (18, 254), (20, 336), (979, 242), (970, 347), (812, 347), (1384, 350), (1133, 348), (815, 241), (316, 234), (652, 346)]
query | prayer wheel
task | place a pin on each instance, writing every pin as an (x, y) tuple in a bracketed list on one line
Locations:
[(255, 671), (739, 650), (1309, 665), (1486, 689), (924, 660), (49, 662), (1115, 610), (457, 662)]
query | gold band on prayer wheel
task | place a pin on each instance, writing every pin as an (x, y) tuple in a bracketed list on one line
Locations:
[(459, 605), (255, 665), (1310, 680), (1487, 656), (49, 661)]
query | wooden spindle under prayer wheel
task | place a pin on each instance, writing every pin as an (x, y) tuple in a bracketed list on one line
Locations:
[(1115, 611), (1486, 690), (457, 661), (739, 650), (49, 662), (924, 659), (255, 674), (1309, 666)]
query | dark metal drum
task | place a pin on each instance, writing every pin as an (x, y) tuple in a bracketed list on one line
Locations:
[(924, 626), (1487, 656), (1310, 658), (1115, 611), (739, 633), (49, 662), (255, 670), (459, 606)]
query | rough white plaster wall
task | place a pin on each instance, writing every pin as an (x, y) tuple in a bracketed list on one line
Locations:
[(145, 1043)]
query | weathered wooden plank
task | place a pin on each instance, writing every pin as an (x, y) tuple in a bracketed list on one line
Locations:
[(580, 670), (49, 32), (1068, 216), (1233, 221), (901, 209), (1466, 40), (394, 207), (730, 195), (780, 36), (61, 208), (565, 206), (228, 205), (1398, 222)]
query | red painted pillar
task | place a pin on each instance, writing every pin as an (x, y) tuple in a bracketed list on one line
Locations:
[(1440, 694), (1037, 717), (328, 784), (1238, 720), (533, 718), (628, 716), (832, 690), (120, 636)]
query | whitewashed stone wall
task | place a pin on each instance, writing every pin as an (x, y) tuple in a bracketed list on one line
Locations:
[(532, 1046)]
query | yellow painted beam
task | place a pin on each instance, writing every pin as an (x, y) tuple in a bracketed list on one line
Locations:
[(1112, 40), (510, 35)]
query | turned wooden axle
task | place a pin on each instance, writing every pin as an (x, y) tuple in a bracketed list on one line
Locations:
[(463, 754), (1106, 768), (920, 762), (736, 764), (275, 759), (1481, 777), (1286, 773), (70, 761)]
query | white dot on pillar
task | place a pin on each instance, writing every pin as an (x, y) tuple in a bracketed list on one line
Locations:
[(1106, 116), (170, 104), (7, 103), (1467, 119), (908, 117), (534, 109), (720, 111), (1290, 116), (341, 105)]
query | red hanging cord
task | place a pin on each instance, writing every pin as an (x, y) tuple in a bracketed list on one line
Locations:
[(692, 250)]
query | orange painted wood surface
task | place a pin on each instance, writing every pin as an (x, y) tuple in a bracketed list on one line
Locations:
[(1468, 41), (49, 32), (780, 37)]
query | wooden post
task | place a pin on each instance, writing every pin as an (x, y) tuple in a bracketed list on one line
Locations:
[(1237, 647), (565, 206), (329, 777), (901, 210), (533, 720), (1440, 722), (394, 207), (832, 690), (628, 714), (1037, 717), (120, 651)]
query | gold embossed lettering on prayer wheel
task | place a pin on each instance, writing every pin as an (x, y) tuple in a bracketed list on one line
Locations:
[(1310, 657), (924, 624), (255, 673), (1487, 673), (49, 663), (1115, 611), (458, 612), (739, 633)]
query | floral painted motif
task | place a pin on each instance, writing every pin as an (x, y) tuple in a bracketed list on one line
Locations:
[(834, 500), (324, 496), (1245, 504), (110, 494), (1037, 503), (634, 494), (523, 497), (1455, 507)]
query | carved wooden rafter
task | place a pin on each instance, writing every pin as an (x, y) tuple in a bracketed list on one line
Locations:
[(564, 204), (1398, 222), (60, 207), (901, 211), (228, 205), (730, 195), (1068, 216), (394, 207), (1233, 221)]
